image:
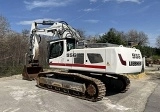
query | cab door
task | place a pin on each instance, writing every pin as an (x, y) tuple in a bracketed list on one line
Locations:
[(57, 54), (69, 48)]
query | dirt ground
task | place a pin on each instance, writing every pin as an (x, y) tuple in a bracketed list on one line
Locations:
[(19, 95)]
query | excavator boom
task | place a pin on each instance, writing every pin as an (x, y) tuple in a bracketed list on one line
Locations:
[(56, 29)]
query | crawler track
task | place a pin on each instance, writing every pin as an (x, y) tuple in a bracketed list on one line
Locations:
[(113, 82), (95, 90), (119, 83)]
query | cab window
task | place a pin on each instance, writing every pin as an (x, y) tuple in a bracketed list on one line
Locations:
[(70, 44), (56, 49)]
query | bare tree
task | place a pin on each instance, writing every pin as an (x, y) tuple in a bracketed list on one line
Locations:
[(138, 38), (142, 39), (13, 48), (25, 33), (81, 33), (4, 26)]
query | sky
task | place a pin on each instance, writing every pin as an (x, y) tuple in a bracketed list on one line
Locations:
[(95, 17)]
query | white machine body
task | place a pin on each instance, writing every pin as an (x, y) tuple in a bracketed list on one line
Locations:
[(113, 60), (63, 52)]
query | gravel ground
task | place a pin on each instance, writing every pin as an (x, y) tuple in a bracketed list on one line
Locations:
[(19, 95)]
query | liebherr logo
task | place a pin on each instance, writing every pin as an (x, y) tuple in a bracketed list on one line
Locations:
[(135, 63)]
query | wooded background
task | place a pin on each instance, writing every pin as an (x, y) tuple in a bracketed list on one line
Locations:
[(14, 45)]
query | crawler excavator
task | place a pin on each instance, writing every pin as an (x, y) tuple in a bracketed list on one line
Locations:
[(86, 72)]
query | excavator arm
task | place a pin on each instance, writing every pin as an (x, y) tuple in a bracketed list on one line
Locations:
[(57, 29), (46, 28)]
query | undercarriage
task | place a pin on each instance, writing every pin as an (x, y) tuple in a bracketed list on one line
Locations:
[(82, 85)]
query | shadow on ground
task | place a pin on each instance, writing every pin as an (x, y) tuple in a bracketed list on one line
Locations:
[(111, 92)]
